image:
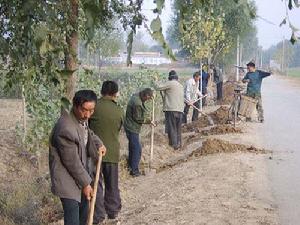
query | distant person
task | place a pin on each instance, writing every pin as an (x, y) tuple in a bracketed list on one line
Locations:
[(134, 119), (191, 97), (204, 82), (71, 145), (218, 79), (254, 80), (173, 105), (107, 122)]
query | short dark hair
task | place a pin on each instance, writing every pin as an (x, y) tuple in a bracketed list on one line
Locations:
[(146, 92), (173, 75), (251, 64), (109, 87), (196, 74), (83, 96)]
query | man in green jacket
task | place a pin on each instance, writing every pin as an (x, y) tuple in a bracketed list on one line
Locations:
[(134, 119), (106, 122)]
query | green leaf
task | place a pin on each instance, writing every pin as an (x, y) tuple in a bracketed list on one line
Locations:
[(293, 38), (159, 5), (290, 5), (156, 25)]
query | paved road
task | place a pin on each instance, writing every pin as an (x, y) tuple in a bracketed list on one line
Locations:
[(281, 133)]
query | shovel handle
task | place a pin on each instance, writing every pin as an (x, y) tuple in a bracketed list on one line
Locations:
[(152, 133), (93, 201)]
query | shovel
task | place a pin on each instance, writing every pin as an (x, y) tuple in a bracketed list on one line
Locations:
[(150, 170), (210, 120), (93, 201)]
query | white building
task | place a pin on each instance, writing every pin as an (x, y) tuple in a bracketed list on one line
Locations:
[(138, 58), (149, 58)]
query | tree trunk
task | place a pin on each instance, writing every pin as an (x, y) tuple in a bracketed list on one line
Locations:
[(71, 53)]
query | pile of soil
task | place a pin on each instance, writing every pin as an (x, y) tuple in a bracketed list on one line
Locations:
[(220, 116), (194, 126), (228, 90), (212, 146), (221, 129)]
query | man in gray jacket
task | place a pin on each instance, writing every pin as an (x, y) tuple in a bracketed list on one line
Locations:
[(173, 105), (71, 145)]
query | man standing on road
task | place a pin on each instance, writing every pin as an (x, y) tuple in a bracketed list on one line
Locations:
[(173, 105), (254, 80), (191, 94), (71, 144), (134, 119), (106, 122)]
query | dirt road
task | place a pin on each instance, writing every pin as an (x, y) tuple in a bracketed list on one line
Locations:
[(281, 99)]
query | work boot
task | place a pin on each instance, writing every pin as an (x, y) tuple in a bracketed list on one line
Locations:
[(135, 174)]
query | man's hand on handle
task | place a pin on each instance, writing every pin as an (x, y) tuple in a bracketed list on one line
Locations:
[(88, 192), (102, 150), (153, 123)]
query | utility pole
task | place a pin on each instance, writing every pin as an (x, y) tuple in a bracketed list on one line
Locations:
[(261, 58), (237, 57), (283, 55), (241, 54)]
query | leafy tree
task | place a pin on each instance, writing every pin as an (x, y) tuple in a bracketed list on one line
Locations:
[(39, 42), (201, 34), (237, 21)]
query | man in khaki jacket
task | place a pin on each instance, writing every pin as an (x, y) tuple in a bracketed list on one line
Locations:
[(173, 106), (71, 145)]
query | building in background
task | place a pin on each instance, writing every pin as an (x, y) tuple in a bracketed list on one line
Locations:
[(140, 58)]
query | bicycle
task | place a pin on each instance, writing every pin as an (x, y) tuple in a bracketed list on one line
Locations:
[(233, 115)]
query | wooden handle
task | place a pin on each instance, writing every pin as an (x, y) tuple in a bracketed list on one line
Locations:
[(93, 201), (152, 134)]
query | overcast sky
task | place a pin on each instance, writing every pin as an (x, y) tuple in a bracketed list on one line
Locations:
[(274, 12), (269, 32)]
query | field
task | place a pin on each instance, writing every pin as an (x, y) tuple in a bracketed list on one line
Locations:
[(294, 72)]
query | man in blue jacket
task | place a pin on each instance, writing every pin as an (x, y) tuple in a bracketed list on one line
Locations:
[(254, 79)]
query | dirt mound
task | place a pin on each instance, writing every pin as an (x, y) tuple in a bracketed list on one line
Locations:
[(194, 126), (11, 113), (228, 90), (220, 116), (212, 146), (221, 129)]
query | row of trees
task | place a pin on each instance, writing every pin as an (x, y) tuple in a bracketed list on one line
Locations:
[(284, 54), (210, 31)]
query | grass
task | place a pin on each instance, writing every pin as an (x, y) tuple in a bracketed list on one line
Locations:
[(294, 72)]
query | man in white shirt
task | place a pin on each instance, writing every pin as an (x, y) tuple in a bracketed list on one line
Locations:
[(191, 94)]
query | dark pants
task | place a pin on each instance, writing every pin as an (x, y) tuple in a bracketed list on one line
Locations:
[(75, 213), (204, 92), (108, 200), (186, 112), (135, 151), (173, 123), (219, 91)]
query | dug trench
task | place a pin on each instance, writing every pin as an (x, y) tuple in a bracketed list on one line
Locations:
[(197, 142)]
